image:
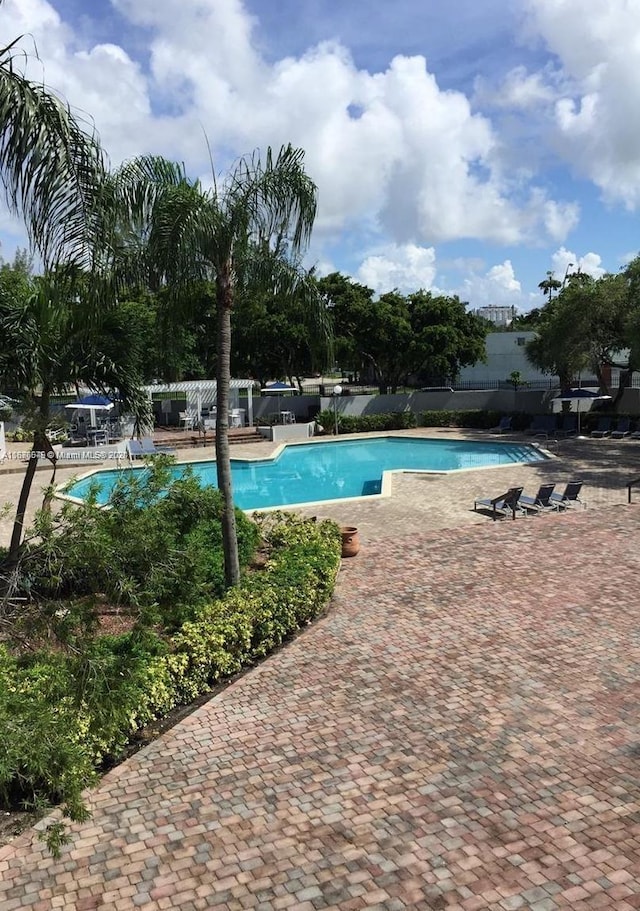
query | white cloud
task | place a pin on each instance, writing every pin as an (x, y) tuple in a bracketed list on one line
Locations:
[(560, 219), (408, 268), (594, 119), (390, 149), (565, 262), (626, 258), (504, 277), (518, 90), (498, 285)]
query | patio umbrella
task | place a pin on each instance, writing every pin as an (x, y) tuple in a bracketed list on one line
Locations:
[(91, 403), (278, 388), (582, 398)]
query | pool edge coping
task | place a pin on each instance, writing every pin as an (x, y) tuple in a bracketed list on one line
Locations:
[(385, 485)]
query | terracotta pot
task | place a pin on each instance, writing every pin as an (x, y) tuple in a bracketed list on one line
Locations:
[(350, 541)]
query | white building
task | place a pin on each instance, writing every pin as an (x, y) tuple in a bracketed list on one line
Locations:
[(505, 354), (499, 316)]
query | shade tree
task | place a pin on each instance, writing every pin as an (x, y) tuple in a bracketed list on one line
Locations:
[(396, 337)]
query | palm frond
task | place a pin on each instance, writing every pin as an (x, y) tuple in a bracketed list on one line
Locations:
[(50, 167), (271, 199)]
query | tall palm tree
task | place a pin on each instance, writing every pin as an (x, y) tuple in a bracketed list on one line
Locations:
[(223, 235)]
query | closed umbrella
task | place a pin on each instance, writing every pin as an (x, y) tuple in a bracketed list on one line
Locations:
[(582, 399)]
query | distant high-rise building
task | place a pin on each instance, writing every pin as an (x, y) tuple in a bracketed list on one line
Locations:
[(499, 316)]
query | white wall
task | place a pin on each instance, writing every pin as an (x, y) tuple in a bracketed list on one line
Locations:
[(3, 442), (505, 354), (278, 433)]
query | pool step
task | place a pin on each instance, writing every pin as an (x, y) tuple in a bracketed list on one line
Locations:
[(181, 439)]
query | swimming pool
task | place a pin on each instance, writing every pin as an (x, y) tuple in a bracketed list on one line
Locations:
[(314, 472)]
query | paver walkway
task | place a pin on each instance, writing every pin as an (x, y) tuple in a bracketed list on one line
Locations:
[(460, 731)]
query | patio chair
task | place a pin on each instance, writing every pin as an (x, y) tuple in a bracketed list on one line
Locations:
[(504, 426), (542, 501), (603, 429), (187, 420), (622, 429), (542, 424), (570, 497), (507, 503), (134, 449), (139, 449), (98, 436), (569, 425)]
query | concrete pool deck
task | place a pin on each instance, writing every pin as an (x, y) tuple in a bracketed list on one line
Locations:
[(460, 731)]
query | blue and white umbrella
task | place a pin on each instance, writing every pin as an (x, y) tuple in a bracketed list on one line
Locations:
[(278, 388), (91, 403)]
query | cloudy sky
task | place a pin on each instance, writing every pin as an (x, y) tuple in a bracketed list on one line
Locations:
[(466, 146)]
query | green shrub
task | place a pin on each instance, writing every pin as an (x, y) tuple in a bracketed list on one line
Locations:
[(367, 423), (158, 549), (20, 436), (435, 418), (62, 715), (43, 757), (476, 419)]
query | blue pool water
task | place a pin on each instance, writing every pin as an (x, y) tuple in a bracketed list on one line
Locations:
[(312, 472)]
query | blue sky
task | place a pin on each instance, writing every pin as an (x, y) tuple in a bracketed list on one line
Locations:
[(458, 146)]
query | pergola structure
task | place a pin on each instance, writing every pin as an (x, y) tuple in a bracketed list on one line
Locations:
[(203, 393)]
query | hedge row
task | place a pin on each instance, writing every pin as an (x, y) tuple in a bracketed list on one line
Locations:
[(477, 420), (366, 423), (62, 715), (406, 420)]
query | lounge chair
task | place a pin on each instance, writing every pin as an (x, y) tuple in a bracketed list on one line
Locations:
[(139, 449), (542, 424), (542, 501), (569, 425), (507, 503), (622, 429), (603, 429), (570, 497), (134, 449), (504, 426)]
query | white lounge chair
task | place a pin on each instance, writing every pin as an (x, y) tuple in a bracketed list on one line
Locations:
[(139, 449)]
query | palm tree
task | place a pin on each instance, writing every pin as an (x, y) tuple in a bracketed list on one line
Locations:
[(53, 173), (53, 339), (549, 285), (50, 167), (228, 235)]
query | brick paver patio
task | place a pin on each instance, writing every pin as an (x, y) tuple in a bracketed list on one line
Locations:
[(460, 731)]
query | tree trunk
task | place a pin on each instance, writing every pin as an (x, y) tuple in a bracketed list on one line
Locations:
[(224, 303), (603, 385), (41, 444), (624, 382), (23, 499)]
